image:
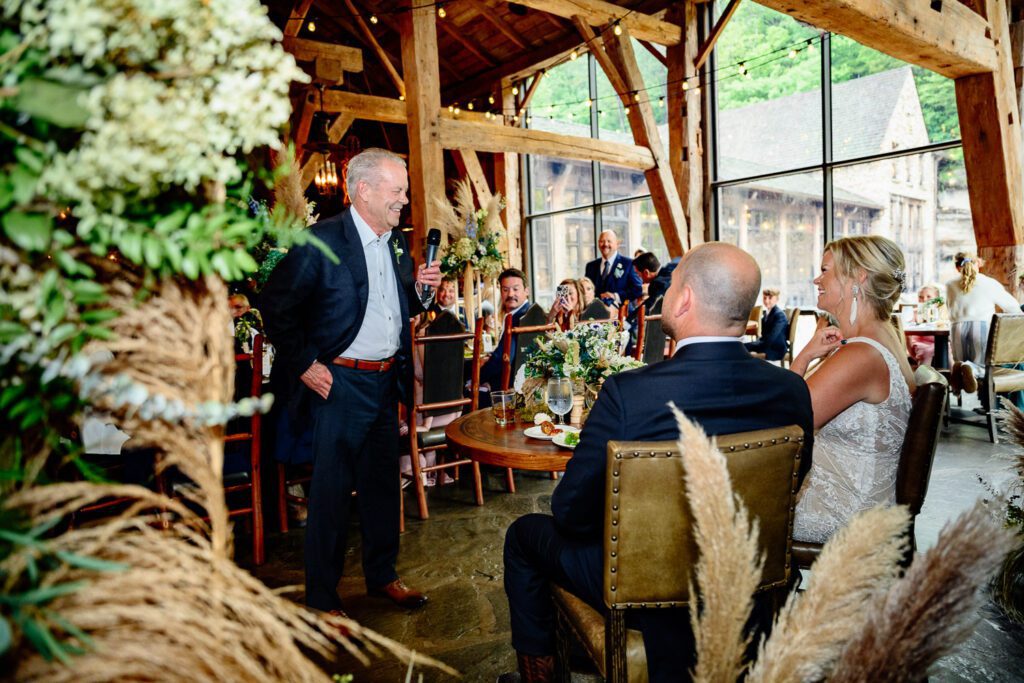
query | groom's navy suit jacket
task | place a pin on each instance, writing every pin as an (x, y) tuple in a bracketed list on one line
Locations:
[(718, 385), (314, 308)]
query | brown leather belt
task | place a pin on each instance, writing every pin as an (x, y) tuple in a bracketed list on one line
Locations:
[(374, 365)]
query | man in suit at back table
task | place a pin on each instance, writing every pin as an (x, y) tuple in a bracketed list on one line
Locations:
[(613, 275), (715, 382), (774, 328), (515, 299), (341, 330), (447, 299)]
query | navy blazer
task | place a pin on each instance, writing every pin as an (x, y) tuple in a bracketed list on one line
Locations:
[(774, 335), (313, 308), (717, 384), (622, 278), (660, 284), (490, 372)]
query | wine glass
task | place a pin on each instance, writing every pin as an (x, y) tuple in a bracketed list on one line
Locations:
[(560, 396)]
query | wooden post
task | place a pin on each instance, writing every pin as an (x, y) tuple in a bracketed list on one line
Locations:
[(685, 141), (423, 104), (506, 181), (991, 132), (664, 194)]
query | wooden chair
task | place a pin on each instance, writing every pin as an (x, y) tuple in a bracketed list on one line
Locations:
[(916, 457), (793, 316), (650, 337), (755, 316), (596, 312), (532, 325), (649, 548), (443, 382), (1005, 348)]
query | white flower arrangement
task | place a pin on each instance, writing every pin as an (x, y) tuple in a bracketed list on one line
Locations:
[(196, 83)]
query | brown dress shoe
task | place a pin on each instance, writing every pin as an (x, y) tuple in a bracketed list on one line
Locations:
[(967, 378), (534, 669), (400, 594)]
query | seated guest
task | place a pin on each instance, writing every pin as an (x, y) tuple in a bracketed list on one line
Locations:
[(922, 347), (568, 306), (774, 328), (515, 299), (589, 293), (716, 383), (447, 299), (613, 273), (861, 392), (646, 266)]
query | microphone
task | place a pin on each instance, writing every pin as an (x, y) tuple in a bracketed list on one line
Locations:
[(433, 244)]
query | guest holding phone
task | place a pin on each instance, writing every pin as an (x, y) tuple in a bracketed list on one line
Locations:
[(568, 306)]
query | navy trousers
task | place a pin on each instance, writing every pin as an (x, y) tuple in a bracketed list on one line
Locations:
[(355, 447), (537, 554)]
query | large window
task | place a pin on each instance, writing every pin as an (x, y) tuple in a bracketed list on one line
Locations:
[(570, 202), (874, 151)]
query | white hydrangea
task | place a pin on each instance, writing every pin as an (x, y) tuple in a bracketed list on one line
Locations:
[(196, 82)]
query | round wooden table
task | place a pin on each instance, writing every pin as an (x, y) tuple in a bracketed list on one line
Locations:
[(478, 437)]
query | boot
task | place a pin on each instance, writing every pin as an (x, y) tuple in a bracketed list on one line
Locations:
[(955, 378), (534, 669), (967, 379)]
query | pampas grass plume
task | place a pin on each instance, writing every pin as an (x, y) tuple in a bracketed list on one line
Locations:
[(729, 567), (811, 630), (932, 609)]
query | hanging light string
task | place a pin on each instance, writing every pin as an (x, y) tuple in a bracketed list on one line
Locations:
[(738, 69)]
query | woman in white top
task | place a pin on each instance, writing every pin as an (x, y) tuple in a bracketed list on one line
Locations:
[(860, 392), (972, 300)]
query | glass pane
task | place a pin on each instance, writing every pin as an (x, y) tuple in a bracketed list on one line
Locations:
[(560, 99), (919, 201), (768, 84), (880, 104), (781, 223), (612, 123), (562, 245), (637, 226), (559, 183), (618, 182)]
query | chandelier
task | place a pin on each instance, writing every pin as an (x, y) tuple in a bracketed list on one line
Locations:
[(326, 178)]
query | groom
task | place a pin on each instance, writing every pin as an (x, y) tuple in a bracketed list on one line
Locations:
[(716, 383)]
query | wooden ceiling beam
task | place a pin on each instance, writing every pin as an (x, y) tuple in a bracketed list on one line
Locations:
[(597, 47), (599, 13), (388, 21), (497, 22), (350, 58), (383, 109), (953, 41), (515, 69), (296, 17), (463, 134), (654, 51), (716, 33), (459, 37), (530, 92), (377, 49)]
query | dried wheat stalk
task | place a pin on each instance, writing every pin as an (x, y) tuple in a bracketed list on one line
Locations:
[(289, 194), (933, 608), (181, 609), (729, 567), (860, 561)]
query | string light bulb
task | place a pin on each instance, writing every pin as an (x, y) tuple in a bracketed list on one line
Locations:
[(515, 89), (792, 53), (741, 68), (469, 106), (451, 108), (490, 99), (401, 98), (457, 111), (636, 96), (686, 86), (617, 30), (573, 55), (440, 11), (373, 19), (589, 102), (625, 110), (311, 26)]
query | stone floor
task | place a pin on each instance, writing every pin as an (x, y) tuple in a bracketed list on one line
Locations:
[(455, 556)]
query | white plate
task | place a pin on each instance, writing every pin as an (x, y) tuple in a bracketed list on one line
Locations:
[(536, 432), (559, 439)]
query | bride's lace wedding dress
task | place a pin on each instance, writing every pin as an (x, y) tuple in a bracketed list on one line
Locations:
[(855, 457)]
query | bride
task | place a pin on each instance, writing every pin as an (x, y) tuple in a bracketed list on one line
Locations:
[(860, 392)]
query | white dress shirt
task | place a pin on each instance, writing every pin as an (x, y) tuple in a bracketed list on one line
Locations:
[(379, 336), (705, 340)]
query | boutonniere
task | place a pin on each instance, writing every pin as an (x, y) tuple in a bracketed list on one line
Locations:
[(397, 249), (618, 270)]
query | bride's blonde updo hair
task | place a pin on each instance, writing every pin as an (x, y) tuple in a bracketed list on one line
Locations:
[(881, 259)]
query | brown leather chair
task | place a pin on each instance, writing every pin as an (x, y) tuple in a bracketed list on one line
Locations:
[(647, 563), (1005, 348), (916, 457), (650, 337), (755, 316)]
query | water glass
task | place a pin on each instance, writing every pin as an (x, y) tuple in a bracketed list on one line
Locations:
[(503, 406), (560, 396)]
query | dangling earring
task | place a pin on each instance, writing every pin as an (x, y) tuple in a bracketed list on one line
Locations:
[(853, 304)]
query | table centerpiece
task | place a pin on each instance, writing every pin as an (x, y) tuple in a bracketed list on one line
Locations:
[(587, 354)]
